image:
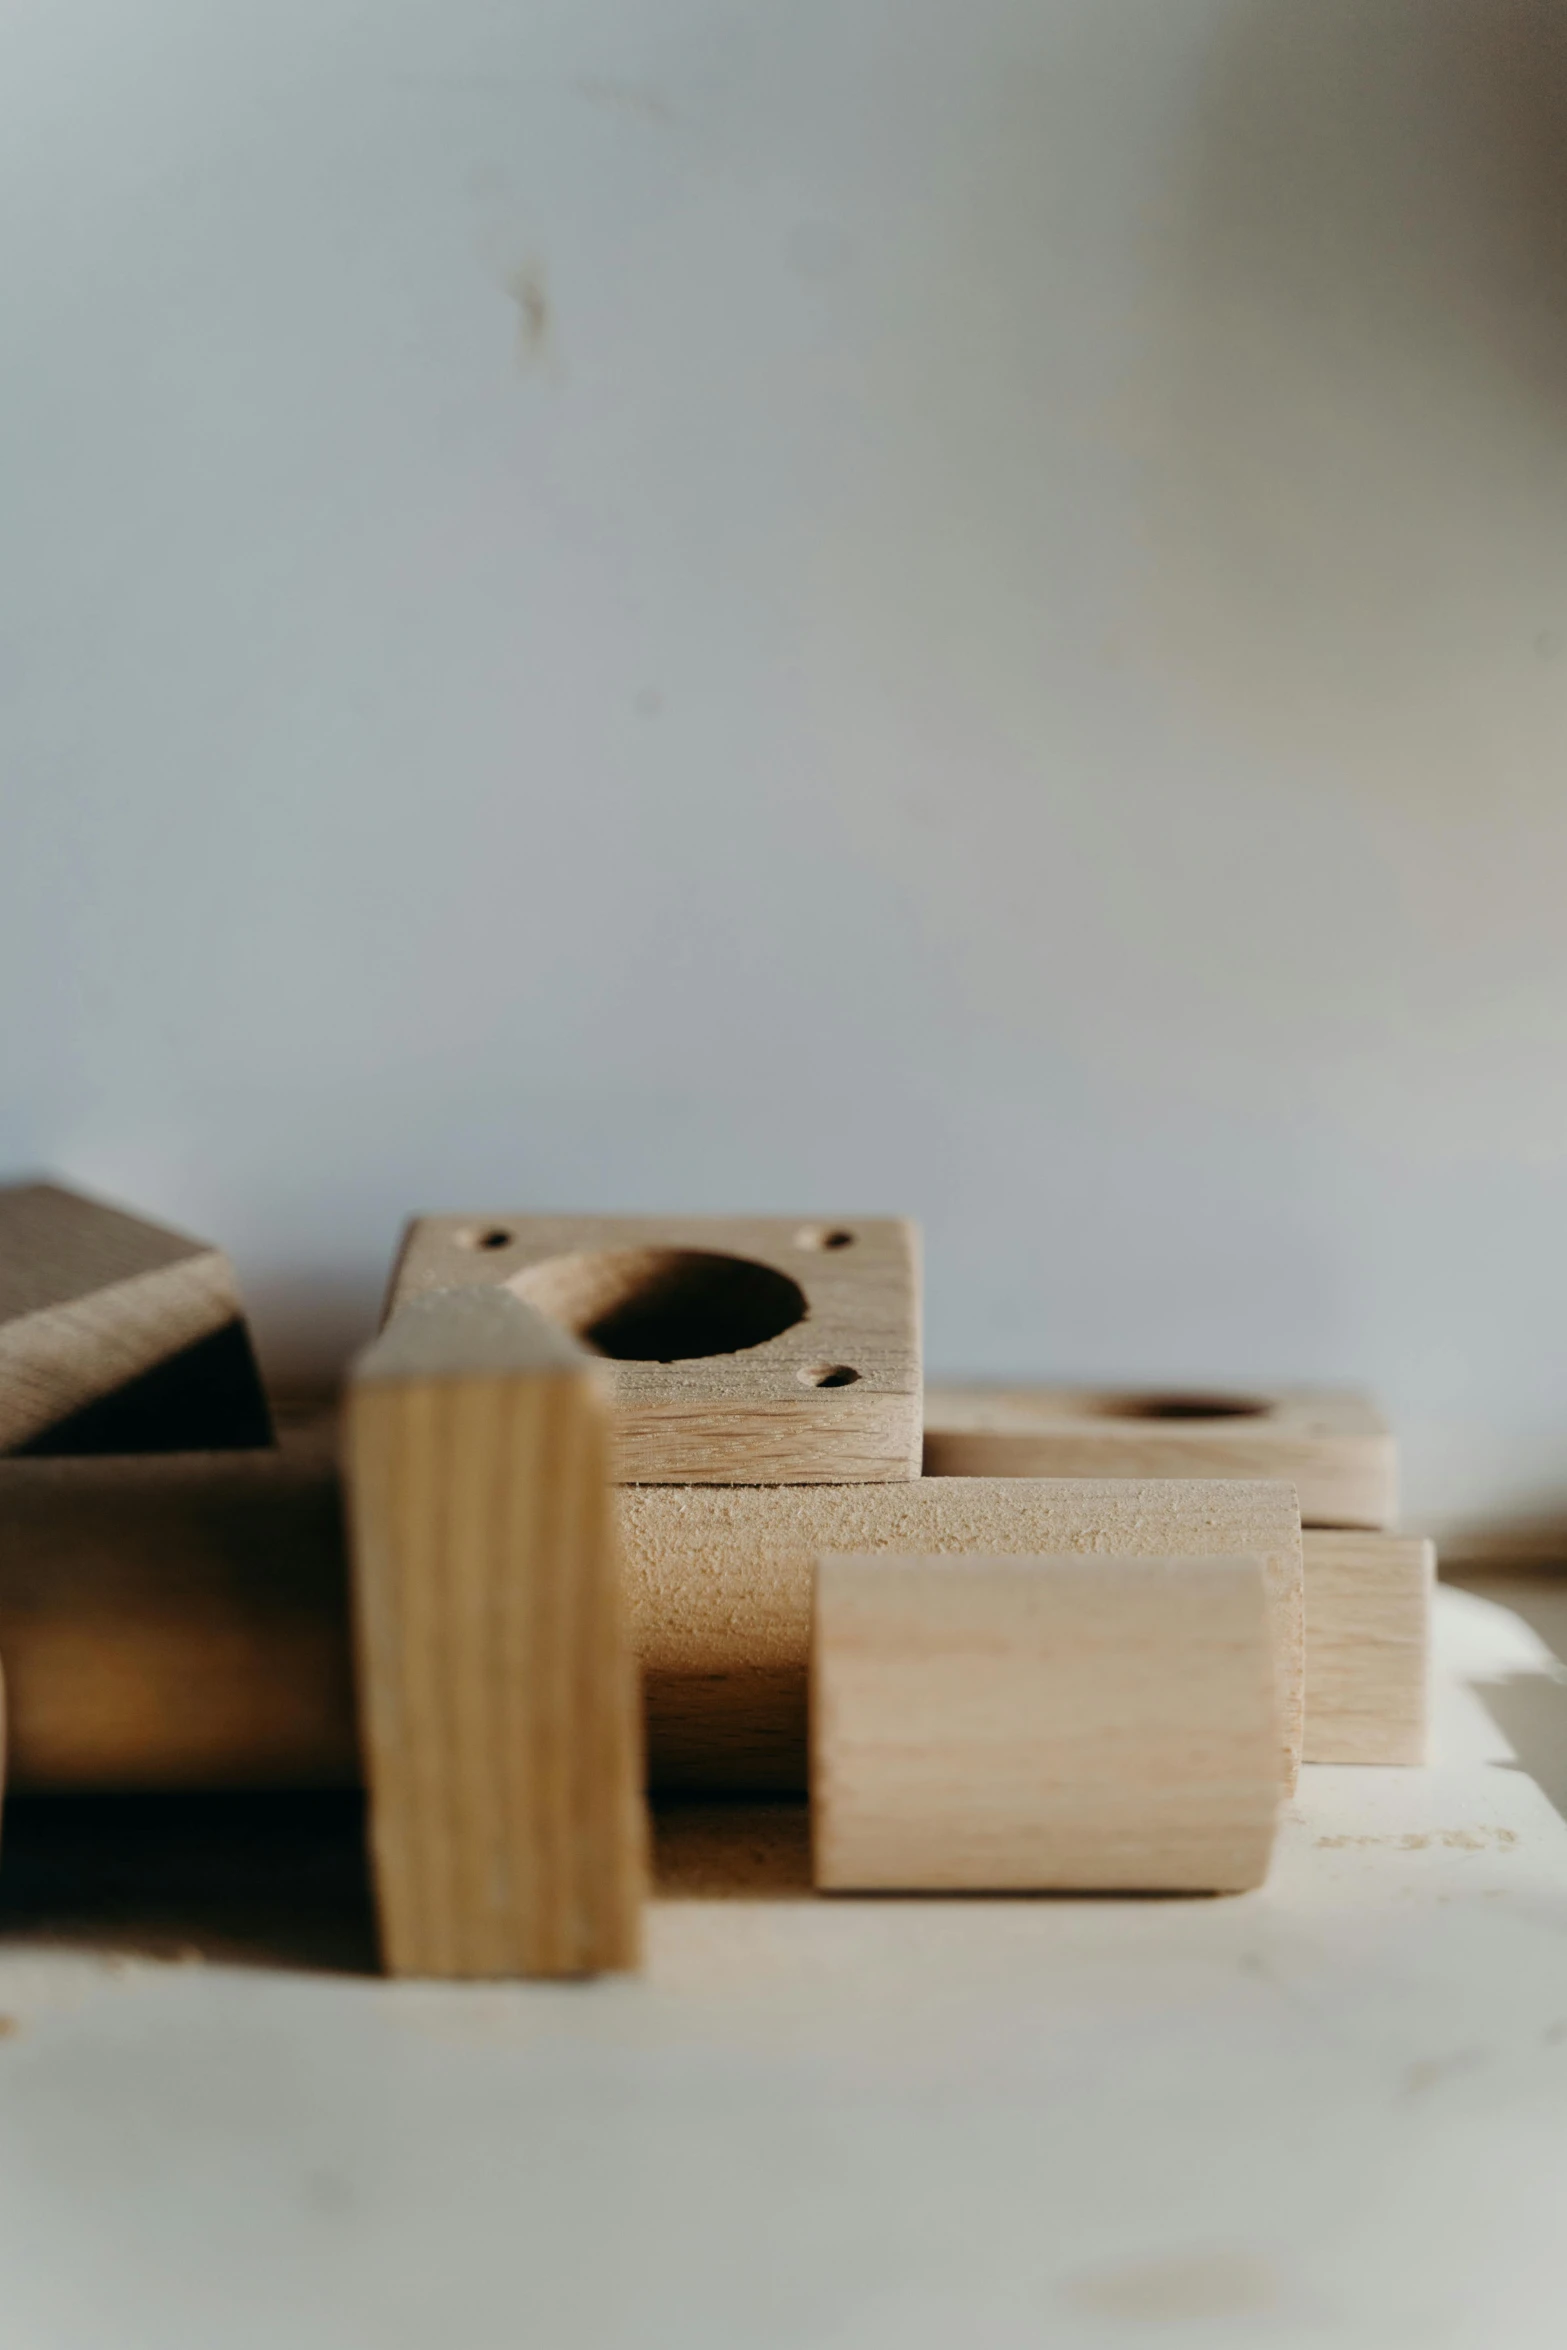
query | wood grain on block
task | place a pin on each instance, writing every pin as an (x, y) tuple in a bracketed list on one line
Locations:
[(182, 1620), (1335, 1449), (496, 1690), (117, 1335), (1368, 1647), (741, 1350), (1068, 1724), (179, 1619), (719, 1586)]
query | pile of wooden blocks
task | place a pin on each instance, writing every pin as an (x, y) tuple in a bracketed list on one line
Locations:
[(664, 1500)]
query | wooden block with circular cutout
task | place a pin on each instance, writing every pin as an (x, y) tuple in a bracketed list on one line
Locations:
[(118, 1335), (741, 1350), (496, 1690), (718, 1583), (1368, 1646), (1052, 1724), (1335, 1449)]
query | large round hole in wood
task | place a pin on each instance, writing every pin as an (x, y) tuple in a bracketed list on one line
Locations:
[(663, 1305)]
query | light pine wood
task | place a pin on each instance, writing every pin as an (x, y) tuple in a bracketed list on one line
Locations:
[(116, 1334), (496, 1691), (1335, 1449), (769, 1350), (1077, 1724), (1368, 1646), (719, 1585)]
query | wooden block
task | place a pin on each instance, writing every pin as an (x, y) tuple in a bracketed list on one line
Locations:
[(719, 1585), (1368, 1646), (1335, 1449), (497, 1694), (744, 1350), (179, 1619), (117, 1335), (1076, 1724)]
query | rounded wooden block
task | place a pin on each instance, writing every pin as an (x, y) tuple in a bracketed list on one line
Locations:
[(1043, 1724)]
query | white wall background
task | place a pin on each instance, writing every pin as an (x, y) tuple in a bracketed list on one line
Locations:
[(696, 603)]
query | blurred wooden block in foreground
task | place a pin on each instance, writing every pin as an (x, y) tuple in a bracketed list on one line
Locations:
[(116, 1335), (1335, 1449), (496, 1690), (179, 1619), (739, 1350), (1368, 1646), (1074, 1724)]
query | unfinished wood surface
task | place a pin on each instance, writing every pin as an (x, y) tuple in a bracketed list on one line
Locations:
[(182, 1621), (496, 1691), (117, 1335), (179, 1619), (1335, 1449), (990, 1725), (1368, 1646), (719, 1585), (763, 1350)]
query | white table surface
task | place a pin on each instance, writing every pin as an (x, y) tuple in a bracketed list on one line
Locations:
[(1333, 2111)]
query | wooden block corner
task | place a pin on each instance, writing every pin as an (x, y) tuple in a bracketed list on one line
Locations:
[(118, 1335), (498, 1698)]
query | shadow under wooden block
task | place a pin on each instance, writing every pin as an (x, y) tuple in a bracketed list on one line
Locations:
[(280, 1878), (497, 1692), (117, 1335), (718, 1582), (741, 1350), (1103, 1724), (1368, 1646), (273, 1878), (1335, 1449)]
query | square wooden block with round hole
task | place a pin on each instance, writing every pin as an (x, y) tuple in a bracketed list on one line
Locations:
[(1334, 1448), (746, 1350)]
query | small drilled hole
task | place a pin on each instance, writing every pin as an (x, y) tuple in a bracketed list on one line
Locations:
[(496, 1237), (823, 1236), (827, 1375)]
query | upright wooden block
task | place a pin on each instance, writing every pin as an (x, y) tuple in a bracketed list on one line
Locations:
[(719, 1585), (1368, 1648), (1043, 1724), (744, 1350), (117, 1335), (496, 1690), (1335, 1449)]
